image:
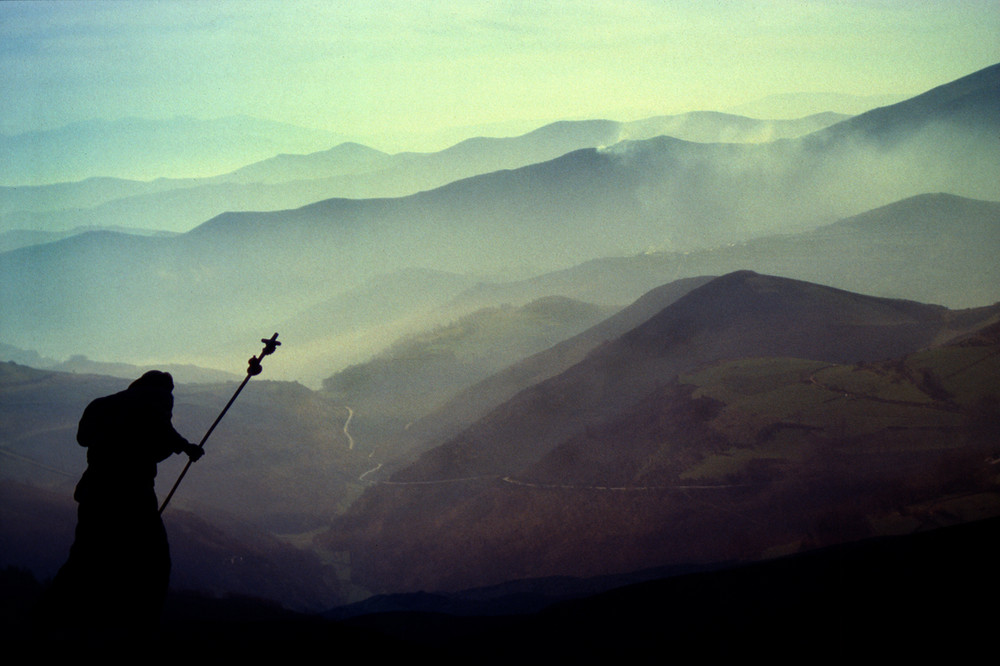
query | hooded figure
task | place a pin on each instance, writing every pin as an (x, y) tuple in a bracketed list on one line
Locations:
[(119, 565)]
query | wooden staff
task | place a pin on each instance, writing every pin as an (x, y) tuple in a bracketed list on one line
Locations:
[(254, 369)]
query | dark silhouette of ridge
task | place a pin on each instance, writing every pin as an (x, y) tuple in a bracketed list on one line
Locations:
[(915, 596)]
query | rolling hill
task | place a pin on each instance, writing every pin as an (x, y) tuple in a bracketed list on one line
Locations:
[(419, 372), (465, 407), (137, 148), (907, 249), (754, 414)]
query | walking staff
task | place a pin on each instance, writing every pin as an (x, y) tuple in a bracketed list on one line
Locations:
[(254, 369)]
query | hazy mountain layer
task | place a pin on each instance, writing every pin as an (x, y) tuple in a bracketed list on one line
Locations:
[(13, 240), (137, 148), (87, 193), (349, 170), (419, 372), (646, 453), (240, 269), (356, 324), (908, 249)]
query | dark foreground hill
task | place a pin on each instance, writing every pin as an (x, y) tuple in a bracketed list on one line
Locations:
[(754, 416), (221, 557), (889, 598)]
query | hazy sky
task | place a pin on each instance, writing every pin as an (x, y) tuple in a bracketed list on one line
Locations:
[(384, 68)]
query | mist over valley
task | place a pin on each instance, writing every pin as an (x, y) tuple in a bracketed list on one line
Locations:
[(660, 194)]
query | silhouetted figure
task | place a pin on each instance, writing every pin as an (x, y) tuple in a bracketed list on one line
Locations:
[(115, 579)]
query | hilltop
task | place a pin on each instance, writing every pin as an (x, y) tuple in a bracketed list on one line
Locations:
[(804, 411)]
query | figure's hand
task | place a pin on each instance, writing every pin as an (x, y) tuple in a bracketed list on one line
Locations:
[(194, 451)]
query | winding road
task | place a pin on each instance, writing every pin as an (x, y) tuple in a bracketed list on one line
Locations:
[(350, 440)]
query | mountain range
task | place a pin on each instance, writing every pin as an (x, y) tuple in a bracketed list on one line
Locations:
[(138, 148), (239, 269), (592, 350), (348, 170), (907, 249)]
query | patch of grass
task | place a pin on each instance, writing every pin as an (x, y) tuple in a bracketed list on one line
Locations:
[(784, 446), (965, 372), (775, 407), (873, 381), (732, 380)]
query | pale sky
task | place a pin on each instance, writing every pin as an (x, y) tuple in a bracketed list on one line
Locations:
[(389, 69)]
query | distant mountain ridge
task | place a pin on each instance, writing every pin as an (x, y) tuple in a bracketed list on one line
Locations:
[(971, 99), (635, 197), (906, 249), (139, 148), (796, 104), (350, 170), (409, 172), (342, 159)]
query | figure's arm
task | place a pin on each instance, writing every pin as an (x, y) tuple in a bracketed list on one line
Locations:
[(181, 445), (193, 451), (172, 442)]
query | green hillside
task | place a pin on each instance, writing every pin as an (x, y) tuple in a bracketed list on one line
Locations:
[(420, 372), (923, 401)]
